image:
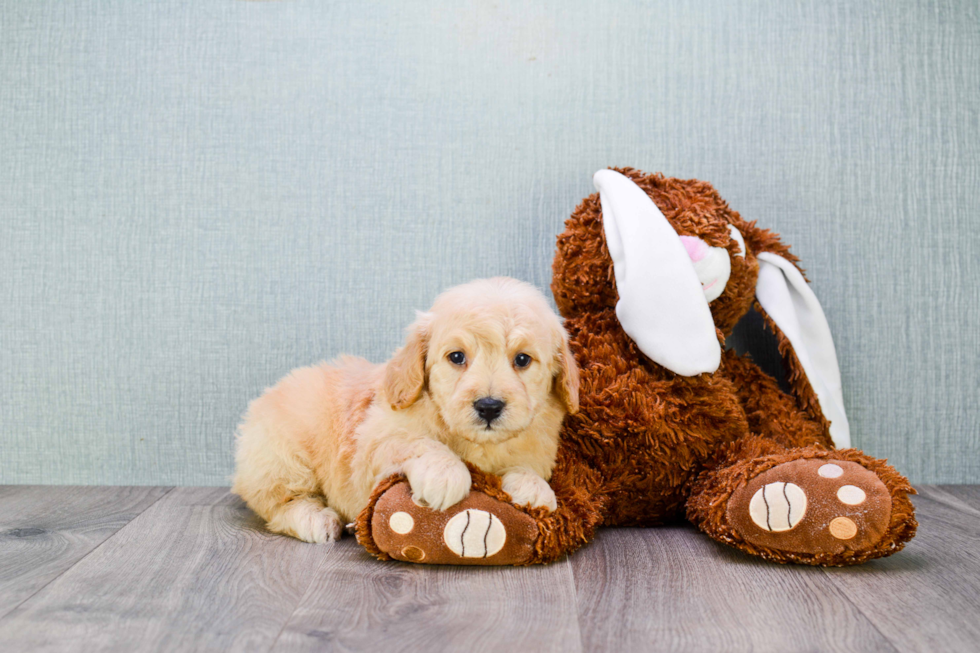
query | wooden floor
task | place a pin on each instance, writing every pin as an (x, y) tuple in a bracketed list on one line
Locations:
[(174, 569)]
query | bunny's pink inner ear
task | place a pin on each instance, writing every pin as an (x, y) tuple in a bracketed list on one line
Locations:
[(795, 310), (662, 305)]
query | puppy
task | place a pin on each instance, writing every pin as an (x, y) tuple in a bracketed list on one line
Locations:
[(485, 377)]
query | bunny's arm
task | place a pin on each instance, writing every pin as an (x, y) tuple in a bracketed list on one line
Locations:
[(771, 412)]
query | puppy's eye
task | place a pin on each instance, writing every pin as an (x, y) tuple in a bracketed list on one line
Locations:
[(522, 360), (457, 358)]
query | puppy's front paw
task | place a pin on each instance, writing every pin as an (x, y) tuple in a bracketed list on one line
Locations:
[(528, 488), (438, 480)]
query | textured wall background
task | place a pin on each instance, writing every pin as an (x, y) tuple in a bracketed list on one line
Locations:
[(196, 197)]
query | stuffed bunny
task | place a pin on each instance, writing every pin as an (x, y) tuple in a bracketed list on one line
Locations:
[(651, 275)]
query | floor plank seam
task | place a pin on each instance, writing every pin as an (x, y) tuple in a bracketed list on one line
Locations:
[(929, 493), (867, 617), (578, 622), (7, 614), (299, 602)]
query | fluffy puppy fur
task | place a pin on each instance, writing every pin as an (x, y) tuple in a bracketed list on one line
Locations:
[(311, 449)]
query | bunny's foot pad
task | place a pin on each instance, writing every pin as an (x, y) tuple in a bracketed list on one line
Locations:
[(812, 506), (479, 530)]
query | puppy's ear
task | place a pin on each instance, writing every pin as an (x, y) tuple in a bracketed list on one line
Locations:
[(405, 372), (567, 378)]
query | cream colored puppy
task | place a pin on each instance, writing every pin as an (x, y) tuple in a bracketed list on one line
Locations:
[(485, 376)]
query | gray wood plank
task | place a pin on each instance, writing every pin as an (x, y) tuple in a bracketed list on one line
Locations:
[(673, 589), (926, 598), (45, 530), (196, 571), (968, 494), (357, 603), (954, 504)]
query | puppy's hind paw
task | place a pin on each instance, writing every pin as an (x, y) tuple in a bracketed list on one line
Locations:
[(527, 488), (308, 521)]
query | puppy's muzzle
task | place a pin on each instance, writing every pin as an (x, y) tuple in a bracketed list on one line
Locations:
[(488, 408)]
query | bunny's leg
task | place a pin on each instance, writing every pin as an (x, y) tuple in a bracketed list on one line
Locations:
[(808, 505), (483, 529), (784, 493)]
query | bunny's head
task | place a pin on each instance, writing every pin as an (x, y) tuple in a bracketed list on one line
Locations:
[(681, 268)]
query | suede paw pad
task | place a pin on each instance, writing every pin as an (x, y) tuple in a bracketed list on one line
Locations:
[(812, 506), (479, 530)]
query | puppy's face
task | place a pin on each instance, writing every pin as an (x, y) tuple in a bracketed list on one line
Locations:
[(490, 370), (492, 356)]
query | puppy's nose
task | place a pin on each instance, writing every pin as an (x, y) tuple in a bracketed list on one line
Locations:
[(488, 408)]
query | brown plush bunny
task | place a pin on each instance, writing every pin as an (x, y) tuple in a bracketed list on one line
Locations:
[(652, 274)]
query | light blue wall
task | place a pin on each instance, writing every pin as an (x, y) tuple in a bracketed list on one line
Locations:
[(197, 196)]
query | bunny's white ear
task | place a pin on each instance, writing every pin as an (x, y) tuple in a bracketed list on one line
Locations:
[(661, 306), (790, 303)]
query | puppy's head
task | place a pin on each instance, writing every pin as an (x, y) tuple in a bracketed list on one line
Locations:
[(491, 355)]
